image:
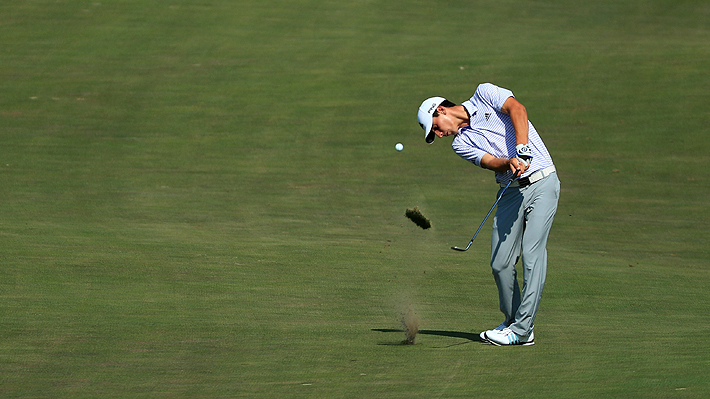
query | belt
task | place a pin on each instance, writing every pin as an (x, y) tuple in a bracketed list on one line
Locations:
[(537, 176)]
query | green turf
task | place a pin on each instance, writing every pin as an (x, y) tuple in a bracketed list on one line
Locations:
[(202, 199)]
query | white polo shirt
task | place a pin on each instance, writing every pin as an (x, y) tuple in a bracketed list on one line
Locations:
[(491, 131)]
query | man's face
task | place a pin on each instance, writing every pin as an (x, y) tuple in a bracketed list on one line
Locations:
[(444, 124)]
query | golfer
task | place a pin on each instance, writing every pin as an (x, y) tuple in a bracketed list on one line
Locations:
[(492, 130)]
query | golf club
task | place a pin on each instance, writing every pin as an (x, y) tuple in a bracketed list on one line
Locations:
[(486, 218)]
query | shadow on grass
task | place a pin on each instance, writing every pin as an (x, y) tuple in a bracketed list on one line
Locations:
[(472, 337)]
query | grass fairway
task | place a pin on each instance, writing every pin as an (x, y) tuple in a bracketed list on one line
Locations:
[(201, 199)]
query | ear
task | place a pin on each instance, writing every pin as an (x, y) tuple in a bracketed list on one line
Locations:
[(441, 110)]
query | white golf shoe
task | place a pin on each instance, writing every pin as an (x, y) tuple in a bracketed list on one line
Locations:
[(506, 336), (482, 335)]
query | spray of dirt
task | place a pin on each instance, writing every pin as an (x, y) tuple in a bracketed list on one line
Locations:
[(410, 323)]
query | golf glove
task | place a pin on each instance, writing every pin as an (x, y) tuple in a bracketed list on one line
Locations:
[(524, 154)]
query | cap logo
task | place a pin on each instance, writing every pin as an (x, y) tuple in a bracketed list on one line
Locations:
[(433, 106)]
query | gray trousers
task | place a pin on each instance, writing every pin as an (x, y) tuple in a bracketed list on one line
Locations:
[(521, 226)]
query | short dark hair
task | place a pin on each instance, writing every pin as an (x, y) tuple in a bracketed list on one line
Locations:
[(445, 104)]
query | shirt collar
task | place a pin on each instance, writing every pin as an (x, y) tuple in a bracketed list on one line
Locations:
[(470, 108)]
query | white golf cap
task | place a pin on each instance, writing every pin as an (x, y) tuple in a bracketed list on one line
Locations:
[(425, 116)]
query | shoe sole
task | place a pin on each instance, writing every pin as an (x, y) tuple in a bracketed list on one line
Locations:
[(497, 344), (483, 337)]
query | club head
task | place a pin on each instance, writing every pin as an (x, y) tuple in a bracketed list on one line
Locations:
[(460, 249)]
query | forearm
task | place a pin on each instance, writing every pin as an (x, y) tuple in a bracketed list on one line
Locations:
[(519, 117), (496, 164)]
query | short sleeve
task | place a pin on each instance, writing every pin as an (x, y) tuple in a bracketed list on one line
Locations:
[(465, 148), (493, 95)]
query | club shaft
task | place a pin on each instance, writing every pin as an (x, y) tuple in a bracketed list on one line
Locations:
[(484, 219)]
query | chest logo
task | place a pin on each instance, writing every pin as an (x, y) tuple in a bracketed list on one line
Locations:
[(487, 115)]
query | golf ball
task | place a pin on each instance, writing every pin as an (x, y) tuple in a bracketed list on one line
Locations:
[(398, 147)]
